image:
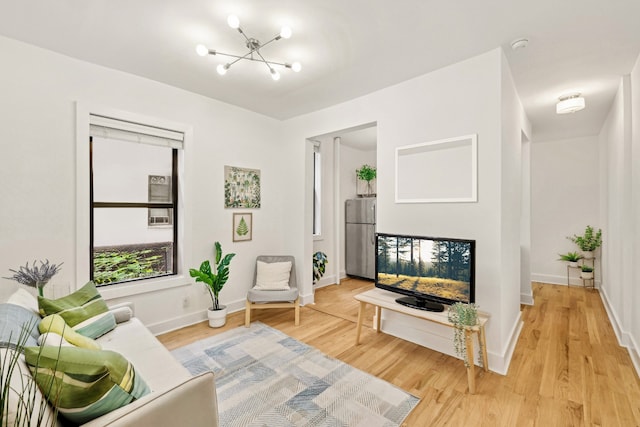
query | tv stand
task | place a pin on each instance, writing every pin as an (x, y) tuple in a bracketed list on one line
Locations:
[(420, 304), (387, 300)]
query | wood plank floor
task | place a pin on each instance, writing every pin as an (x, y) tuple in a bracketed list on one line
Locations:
[(567, 369)]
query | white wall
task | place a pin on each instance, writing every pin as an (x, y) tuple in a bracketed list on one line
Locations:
[(38, 139), (514, 124), (634, 321), (461, 99), (619, 142), (565, 198)]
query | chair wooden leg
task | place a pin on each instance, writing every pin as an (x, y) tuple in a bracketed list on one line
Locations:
[(247, 314), (297, 310)]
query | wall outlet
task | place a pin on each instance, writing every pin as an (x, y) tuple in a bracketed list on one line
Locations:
[(185, 302)]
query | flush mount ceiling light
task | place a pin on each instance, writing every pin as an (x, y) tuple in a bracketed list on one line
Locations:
[(570, 103), (253, 54)]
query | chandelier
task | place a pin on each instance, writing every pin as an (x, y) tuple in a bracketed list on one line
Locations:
[(253, 54)]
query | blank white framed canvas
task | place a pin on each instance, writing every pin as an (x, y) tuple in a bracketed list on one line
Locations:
[(443, 171)]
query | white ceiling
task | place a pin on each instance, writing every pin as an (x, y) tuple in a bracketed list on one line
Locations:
[(348, 48)]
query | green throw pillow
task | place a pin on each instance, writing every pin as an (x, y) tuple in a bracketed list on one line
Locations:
[(84, 384), (84, 310)]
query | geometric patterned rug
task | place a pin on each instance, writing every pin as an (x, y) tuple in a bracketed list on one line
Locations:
[(267, 378)]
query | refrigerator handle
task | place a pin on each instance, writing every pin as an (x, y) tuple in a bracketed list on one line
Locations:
[(373, 208), (373, 238)]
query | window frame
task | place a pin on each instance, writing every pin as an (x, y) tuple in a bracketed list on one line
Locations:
[(172, 206), (184, 234), (317, 192)]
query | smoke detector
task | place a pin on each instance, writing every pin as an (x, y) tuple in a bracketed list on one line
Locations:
[(519, 43)]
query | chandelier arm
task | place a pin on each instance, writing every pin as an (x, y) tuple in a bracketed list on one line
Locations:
[(243, 34), (245, 56), (264, 60), (238, 58), (278, 37)]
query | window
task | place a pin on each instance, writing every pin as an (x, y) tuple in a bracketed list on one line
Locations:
[(317, 190), (133, 201), (160, 191)]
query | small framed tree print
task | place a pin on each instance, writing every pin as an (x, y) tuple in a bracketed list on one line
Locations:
[(242, 227)]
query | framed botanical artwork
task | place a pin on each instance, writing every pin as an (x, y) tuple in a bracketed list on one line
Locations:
[(241, 187), (242, 226)]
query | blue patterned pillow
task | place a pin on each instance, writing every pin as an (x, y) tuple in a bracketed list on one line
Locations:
[(15, 319)]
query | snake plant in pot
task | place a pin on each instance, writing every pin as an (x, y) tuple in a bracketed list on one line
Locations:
[(214, 279)]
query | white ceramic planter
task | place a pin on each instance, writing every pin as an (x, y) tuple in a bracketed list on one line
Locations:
[(588, 255), (217, 318), (573, 263), (586, 275)]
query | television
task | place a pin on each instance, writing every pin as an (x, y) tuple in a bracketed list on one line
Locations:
[(430, 271)]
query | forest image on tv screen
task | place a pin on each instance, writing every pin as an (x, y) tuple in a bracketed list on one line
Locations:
[(441, 268)]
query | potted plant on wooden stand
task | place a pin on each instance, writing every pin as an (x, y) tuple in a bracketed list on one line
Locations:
[(463, 316), (571, 257), (588, 242), (214, 282), (587, 272)]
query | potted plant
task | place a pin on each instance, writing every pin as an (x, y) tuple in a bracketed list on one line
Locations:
[(462, 316), (588, 242), (367, 173), (587, 272), (571, 257), (319, 265), (214, 280), (35, 276)]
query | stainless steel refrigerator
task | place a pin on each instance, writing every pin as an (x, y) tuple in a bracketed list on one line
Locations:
[(360, 237)]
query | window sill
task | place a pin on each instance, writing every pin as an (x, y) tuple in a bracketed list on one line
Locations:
[(143, 286)]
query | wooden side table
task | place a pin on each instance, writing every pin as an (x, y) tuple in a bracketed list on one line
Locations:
[(380, 299)]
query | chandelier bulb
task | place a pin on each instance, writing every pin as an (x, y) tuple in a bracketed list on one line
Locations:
[(275, 75), (296, 66), (202, 50), (222, 69), (233, 21), (285, 32)]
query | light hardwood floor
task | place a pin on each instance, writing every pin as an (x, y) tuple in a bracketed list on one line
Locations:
[(567, 369)]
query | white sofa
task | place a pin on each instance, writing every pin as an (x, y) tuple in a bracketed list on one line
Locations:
[(176, 398)]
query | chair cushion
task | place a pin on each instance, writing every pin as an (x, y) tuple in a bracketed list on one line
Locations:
[(273, 275), (257, 295), (84, 384), (84, 310)]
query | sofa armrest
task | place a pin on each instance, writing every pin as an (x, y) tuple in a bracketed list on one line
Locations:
[(193, 402), (122, 312)]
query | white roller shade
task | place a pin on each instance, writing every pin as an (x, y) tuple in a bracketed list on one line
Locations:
[(106, 127)]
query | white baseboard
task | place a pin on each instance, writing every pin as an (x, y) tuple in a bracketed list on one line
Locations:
[(526, 299), (624, 339), (177, 322), (189, 319), (499, 362), (550, 278), (559, 280)]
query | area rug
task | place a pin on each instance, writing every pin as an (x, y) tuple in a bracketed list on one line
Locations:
[(267, 378)]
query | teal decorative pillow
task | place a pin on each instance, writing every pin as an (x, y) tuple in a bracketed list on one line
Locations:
[(84, 384), (84, 310)]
